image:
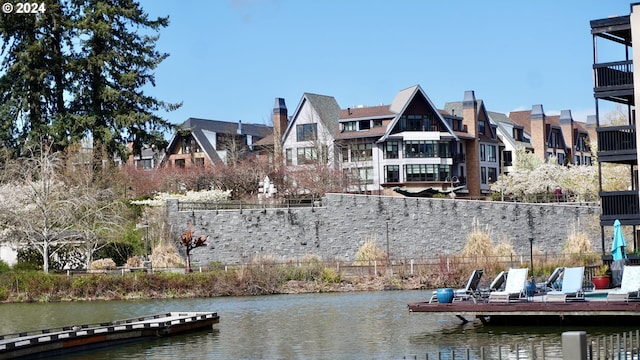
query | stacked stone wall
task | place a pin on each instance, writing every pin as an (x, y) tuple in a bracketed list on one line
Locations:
[(411, 228)]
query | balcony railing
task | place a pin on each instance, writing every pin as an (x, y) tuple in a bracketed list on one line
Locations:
[(614, 75), (620, 205), (617, 140)]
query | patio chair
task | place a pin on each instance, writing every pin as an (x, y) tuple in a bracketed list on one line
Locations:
[(468, 292), (514, 287), (629, 287), (551, 283), (571, 286), (471, 291), (496, 284)]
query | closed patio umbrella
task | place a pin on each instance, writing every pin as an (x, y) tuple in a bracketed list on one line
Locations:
[(618, 245)]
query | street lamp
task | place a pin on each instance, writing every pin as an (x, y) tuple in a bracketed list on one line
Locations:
[(531, 253), (146, 240)]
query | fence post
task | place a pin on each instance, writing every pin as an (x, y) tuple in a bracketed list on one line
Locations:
[(574, 345)]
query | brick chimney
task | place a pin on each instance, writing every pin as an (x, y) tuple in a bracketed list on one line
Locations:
[(538, 133), (472, 147), (280, 123), (566, 126)]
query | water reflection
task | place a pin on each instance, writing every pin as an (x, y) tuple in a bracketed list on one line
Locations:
[(365, 325)]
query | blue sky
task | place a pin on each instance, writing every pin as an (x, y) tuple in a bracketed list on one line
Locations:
[(230, 59)]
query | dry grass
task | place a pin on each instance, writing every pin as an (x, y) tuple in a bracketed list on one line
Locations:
[(369, 252), (103, 264), (166, 256)]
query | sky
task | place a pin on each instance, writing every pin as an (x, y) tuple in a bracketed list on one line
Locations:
[(230, 59)]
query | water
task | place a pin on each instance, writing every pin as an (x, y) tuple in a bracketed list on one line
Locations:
[(357, 325)]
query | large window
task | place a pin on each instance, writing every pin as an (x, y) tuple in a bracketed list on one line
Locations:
[(363, 175), (306, 132), (426, 148), (493, 174), (179, 163), (361, 152), (426, 172), (483, 175), (483, 152), (307, 155), (417, 123), (391, 150), (392, 173), (491, 153)]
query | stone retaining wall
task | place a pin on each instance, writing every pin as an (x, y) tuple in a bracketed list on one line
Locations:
[(411, 228)]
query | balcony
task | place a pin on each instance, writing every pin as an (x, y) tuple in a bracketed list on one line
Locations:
[(617, 144), (614, 81), (620, 205)]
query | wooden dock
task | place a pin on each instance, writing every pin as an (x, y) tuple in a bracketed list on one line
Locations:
[(591, 311), (81, 337)]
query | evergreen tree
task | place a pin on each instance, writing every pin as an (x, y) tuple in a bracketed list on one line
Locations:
[(116, 59), (77, 70)]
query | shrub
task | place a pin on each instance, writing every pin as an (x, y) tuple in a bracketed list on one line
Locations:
[(103, 264), (369, 252), (4, 267)]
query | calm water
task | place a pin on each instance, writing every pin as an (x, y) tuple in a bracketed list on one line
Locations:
[(361, 325)]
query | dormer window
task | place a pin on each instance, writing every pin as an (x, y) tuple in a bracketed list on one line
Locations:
[(350, 126), (364, 124)]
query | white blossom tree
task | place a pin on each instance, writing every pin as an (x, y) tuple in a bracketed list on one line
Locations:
[(45, 210)]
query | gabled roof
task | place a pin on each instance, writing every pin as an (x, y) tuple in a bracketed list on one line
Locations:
[(400, 103), (506, 124), (204, 132), (326, 107), (455, 108)]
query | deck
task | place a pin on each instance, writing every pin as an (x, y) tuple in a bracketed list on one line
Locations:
[(594, 310), (81, 337)]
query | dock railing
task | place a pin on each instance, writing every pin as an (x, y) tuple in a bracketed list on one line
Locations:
[(575, 345)]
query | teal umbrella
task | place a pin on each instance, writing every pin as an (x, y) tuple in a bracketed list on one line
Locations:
[(618, 245)]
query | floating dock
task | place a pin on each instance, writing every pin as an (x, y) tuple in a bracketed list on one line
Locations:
[(593, 310), (81, 337)]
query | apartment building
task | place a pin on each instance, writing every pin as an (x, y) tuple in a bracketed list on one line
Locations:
[(615, 83)]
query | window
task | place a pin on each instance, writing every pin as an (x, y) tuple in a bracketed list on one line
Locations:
[(561, 159), (365, 125), (426, 148), (493, 174), (392, 173), (483, 175), (145, 164), (483, 154), (350, 126), (361, 152), (507, 158), (492, 153), (179, 163), (306, 132), (199, 161), (345, 154), (427, 172), (417, 123), (481, 127), (307, 155), (377, 123), (185, 146), (391, 150), (289, 156), (363, 175)]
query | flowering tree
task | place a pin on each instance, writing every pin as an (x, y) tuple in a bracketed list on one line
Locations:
[(45, 210), (531, 178)]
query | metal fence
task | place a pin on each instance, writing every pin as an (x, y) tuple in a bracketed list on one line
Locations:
[(242, 204), (622, 346)]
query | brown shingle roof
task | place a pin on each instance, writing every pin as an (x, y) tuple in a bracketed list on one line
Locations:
[(365, 112)]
